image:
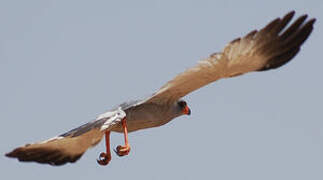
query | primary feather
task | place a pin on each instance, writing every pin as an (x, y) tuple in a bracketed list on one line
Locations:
[(70, 146), (271, 47)]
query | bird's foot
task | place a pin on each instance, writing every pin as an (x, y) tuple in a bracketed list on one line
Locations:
[(122, 150), (104, 159)]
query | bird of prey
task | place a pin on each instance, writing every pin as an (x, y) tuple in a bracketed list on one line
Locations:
[(269, 48)]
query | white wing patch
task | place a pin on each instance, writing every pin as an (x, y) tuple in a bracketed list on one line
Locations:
[(113, 117), (51, 139)]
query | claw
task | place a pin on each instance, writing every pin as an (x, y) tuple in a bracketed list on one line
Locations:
[(104, 159), (122, 150)]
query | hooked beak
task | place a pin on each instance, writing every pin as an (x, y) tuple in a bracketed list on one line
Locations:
[(187, 110)]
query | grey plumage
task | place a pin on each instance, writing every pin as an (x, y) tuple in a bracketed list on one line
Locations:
[(84, 128), (271, 47)]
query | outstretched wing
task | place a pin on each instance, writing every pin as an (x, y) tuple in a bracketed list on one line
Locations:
[(269, 48), (70, 146)]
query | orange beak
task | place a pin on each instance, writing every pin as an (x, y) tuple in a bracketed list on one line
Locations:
[(187, 110)]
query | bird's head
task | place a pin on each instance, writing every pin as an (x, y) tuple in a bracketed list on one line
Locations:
[(184, 109)]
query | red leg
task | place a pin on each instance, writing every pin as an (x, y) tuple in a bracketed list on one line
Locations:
[(105, 158), (124, 150)]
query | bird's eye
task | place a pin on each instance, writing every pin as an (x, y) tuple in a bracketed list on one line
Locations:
[(182, 104)]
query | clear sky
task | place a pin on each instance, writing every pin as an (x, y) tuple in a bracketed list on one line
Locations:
[(64, 62)]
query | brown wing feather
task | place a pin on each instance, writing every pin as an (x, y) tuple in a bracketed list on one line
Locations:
[(269, 48), (70, 146), (59, 150)]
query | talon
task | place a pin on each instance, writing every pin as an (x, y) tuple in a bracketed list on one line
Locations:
[(104, 159), (122, 150)]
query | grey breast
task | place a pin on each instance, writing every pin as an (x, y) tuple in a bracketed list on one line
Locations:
[(142, 115)]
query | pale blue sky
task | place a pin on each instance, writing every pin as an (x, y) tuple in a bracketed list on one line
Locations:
[(64, 62)]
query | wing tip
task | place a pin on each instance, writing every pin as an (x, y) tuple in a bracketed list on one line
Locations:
[(14, 153), (290, 41), (9, 155), (290, 13), (311, 21), (51, 157)]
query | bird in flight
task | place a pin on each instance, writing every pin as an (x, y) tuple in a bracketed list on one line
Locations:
[(269, 48)]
